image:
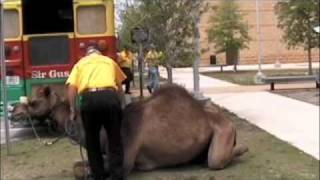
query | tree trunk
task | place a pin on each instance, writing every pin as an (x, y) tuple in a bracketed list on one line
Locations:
[(232, 57), (169, 72), (310, 60), (141, 70), (236, 60)]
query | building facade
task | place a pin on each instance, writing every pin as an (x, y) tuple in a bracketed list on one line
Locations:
[(273, 49)]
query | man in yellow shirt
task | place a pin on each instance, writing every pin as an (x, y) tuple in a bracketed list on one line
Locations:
[(125, 62), (98, 80)]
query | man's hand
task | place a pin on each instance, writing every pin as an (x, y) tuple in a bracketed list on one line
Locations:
[(72, 114)]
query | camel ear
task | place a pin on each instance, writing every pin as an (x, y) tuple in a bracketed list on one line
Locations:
[(47, 91), (44, 91)]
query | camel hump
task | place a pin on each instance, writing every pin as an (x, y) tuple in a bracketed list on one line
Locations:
[(171, 90)]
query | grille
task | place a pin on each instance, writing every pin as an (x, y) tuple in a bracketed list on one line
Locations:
[(49, 50)]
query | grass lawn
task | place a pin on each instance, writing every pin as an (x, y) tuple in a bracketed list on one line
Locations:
[(247, 77), (267, 159)]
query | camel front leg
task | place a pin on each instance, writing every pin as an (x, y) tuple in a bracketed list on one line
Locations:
[(221, 149), (131, 150)]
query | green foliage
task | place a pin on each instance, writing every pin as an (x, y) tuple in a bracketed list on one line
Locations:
[(298, 18), (131, 17), (228, 29), (170, 25)]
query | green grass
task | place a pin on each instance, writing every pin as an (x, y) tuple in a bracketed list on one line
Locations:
[(30, 161), (247, 77), (268, 159)]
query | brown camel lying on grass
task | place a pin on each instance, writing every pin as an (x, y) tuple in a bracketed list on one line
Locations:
[(167, 129)]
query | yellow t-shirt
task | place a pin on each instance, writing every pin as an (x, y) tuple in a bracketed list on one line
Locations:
[(152, 58), (126, 59), (95, 71)]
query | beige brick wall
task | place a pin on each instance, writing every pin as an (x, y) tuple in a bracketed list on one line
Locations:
[(272, 46)]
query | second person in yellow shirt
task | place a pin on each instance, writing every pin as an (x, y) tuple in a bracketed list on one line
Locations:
[(125, 62)]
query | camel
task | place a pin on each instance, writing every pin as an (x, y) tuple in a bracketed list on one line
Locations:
[(167, 129)]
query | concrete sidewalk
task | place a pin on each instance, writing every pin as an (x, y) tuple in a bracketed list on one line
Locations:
[(16, 134), (290, 120), (315, 65)]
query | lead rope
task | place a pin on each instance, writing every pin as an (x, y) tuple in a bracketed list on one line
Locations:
[(86, 173), (70, 127), (46, 143)]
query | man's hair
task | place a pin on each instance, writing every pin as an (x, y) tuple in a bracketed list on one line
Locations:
[(92, 49)]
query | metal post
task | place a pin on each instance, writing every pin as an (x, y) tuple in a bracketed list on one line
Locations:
[(196, 78), (132, 67), (259, 74), (141, 69), (3, 75)]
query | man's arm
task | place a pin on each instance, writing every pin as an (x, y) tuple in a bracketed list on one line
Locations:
[(120, 89), (72, 94)]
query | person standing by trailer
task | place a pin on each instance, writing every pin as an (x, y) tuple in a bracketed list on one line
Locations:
[(98, 79), (126, 62)]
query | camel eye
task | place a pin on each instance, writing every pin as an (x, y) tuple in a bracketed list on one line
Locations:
[(34, 103)]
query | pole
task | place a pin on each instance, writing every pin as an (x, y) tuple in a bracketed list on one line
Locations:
[(132, 67), (3, 75), (259, 74), (196, 79), (258, 32), (141, 69)]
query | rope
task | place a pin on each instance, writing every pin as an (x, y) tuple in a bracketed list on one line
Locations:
[(70, 130), (34, 130), (83, 161), (46, 143)]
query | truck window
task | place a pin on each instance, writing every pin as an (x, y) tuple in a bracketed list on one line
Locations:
[(91, 19), (11, 24), (47, 16)]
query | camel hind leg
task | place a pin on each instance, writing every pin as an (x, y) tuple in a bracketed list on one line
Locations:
[(223, 148)]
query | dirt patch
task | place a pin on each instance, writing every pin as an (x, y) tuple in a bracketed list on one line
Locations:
[(268, 159), (306, 95)]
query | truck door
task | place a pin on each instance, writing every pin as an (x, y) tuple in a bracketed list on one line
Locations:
[(48, 43), (94, 25), (14, 50)]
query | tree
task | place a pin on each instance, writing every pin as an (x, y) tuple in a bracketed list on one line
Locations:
[(170, 25), (298, 18), (131, 16), (228, 31)]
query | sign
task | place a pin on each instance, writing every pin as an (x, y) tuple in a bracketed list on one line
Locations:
[(49, 74), (139, 35), (12, 80)]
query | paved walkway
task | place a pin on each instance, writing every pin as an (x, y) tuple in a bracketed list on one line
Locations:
[(290, 120), (15, 133)]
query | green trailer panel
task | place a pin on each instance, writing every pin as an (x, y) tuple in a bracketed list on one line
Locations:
[(14, 92)]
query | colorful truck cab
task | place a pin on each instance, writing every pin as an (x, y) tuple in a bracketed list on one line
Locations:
[(43, 39)]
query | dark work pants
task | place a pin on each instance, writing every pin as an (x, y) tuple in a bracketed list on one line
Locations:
[(129, 74), (103, 109)]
